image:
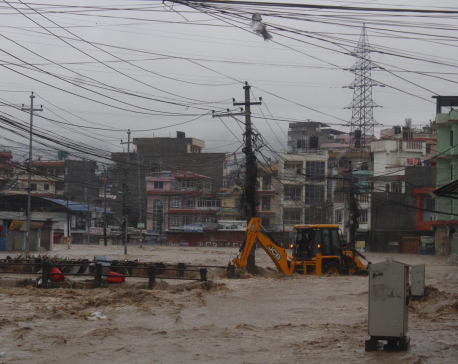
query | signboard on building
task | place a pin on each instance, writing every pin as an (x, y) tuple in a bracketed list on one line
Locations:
[(193, 228), (233, 225), (140, 225), (427, 243), (17, 225), (98, 231)]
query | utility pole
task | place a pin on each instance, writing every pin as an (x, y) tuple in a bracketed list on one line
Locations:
[(251, 167), (68, 227), (29, 169), (105, 241), (125, 191), (88, 216), (140, 217), (352, 208)]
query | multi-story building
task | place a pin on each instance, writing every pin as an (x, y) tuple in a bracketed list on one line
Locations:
[(361, 180), (446, 124), (310, 135), (391, 157), (303, 189), (74, 179), (6, 169), (179, 198), (152, 155), (182, 153), (426, 134), (266, 191)]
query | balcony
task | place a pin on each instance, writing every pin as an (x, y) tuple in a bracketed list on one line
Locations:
[(414, 146)]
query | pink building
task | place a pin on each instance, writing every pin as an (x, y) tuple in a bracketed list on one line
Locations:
[(179, 198)]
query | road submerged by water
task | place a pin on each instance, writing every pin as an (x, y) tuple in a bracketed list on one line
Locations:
[(269, 318)]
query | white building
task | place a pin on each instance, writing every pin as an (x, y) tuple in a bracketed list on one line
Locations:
[(303, 188), (391, 157)]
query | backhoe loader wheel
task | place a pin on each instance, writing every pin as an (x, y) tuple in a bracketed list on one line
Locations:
[(331, 268)]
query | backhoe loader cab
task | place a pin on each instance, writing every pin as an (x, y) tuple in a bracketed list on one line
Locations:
[(323, 242), (317, 239)]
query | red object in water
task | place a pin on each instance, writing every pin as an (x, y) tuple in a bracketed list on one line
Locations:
[(57, 276), (114, 277)]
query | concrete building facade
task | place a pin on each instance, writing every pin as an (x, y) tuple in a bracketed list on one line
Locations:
[(303, 189), (447, 171), (179, 198)]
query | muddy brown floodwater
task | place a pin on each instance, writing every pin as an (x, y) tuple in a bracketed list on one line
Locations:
[(269, 318)]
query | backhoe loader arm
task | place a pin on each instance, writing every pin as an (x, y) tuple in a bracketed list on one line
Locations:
[(277, 254)]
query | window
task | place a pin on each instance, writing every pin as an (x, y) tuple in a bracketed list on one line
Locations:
[(265, 204), (396, 187), (326, 244), (209, 202), (33, 187), (301, 143), (265, 221), (314, 194), (428, 148), (174, 220), (430, 205), (451, 171), (158, 185), (158, 214), (451, 138), (266, 183), (362, 219), (314, 171), (294, 166), (209, 219), (188, 183), (292, 216), (335, 241), (175, 203), (338, 216), (188, 220), (387, 187), (60, 186), (238, 202), (46, 187), (191, 203), (293, 193)]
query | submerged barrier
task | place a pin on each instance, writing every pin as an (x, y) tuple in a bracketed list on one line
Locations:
[(101, 270)]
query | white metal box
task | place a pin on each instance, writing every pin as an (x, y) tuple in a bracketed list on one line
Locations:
[(418, 280), (388, 299)]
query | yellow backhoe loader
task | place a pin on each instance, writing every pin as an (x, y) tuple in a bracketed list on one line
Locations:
[(318, 250)]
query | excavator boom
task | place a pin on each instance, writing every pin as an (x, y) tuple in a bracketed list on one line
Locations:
[(277, 254)]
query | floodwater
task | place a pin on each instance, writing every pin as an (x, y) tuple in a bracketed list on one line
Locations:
[(269, 318)]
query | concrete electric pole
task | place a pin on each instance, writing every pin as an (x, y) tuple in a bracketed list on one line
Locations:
[(251, 166), (29, 169), (124, 207), (353, 209)]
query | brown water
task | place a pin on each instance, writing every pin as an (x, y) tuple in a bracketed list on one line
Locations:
[(265, 319)]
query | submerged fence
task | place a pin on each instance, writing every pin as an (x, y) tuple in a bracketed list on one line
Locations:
[(100, 269)]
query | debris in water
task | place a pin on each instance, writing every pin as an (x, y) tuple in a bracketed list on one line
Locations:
[(97, 315)]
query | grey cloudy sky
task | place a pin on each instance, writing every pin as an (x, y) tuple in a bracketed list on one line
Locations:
[(210, 60)]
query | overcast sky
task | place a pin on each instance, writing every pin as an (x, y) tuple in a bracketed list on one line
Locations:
[(210, 61)]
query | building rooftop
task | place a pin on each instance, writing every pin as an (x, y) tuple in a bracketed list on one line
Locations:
[(48, 163), (76, 206)]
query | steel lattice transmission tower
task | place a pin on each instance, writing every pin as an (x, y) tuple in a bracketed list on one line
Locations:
[(362, 106)]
